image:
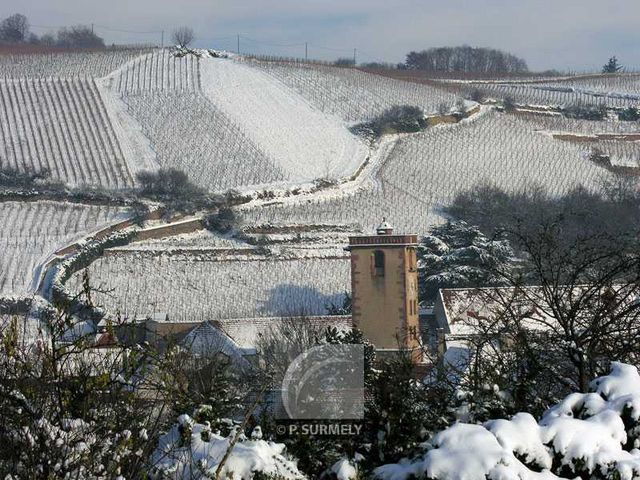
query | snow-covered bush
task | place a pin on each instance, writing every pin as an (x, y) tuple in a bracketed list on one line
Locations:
[(191, 450), (588, 435), (396, 119), (223, 221), (586, 113), (68, 410), (75, 403)]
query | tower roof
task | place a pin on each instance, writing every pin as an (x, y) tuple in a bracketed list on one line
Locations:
[(384, 228)]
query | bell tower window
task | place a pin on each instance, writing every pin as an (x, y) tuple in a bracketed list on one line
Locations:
[(378, 263)]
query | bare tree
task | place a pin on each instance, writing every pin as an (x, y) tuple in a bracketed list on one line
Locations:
[(570, 310), (612, 66), (285, 341), (14, 29), (569, 306), (183, 36)]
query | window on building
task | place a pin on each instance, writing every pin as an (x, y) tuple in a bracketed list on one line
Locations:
[(413, 260), (378, 263)]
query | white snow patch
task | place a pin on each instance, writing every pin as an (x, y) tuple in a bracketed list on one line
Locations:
[(585, 432), (204, 451)]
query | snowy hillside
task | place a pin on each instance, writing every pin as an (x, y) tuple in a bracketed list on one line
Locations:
[(213, 151), (621, 90), (67, 64), (160, 71), (60, 126), (351, 94), (424, 171), (32, 231), (244, 124), (304, 142)]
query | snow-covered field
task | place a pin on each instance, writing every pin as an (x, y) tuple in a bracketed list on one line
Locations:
[(620, 83), (247, 124), (32, 231), (558, 123), (159, 71), (60, 126), (303, 141), (199, 287)]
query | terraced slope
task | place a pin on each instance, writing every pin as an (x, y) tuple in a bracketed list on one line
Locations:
[(424, 171), (32, 231), (304, 142)]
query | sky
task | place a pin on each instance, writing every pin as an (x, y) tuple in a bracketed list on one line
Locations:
[(575, 35)]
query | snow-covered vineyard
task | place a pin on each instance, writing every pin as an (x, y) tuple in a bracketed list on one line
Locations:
[(66, 65), (426, 170), (353, 95), (158, 72), (229, 159), (60, 126), (183, 291), (32, 231), (251, 125), (196, 287), (619, 91)]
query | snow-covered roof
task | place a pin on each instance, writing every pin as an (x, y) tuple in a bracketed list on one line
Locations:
[(465, 309), (462, 311), (241, 335), (208, 339)]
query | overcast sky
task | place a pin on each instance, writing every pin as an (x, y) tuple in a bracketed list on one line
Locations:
[(563, 34)]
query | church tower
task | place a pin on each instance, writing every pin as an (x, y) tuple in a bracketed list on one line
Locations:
[(384, 288)]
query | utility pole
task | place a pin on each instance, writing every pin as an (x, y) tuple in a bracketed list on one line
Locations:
[(162, 39), (238, 44), (306, 51), (92, 29), (354, 56)]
